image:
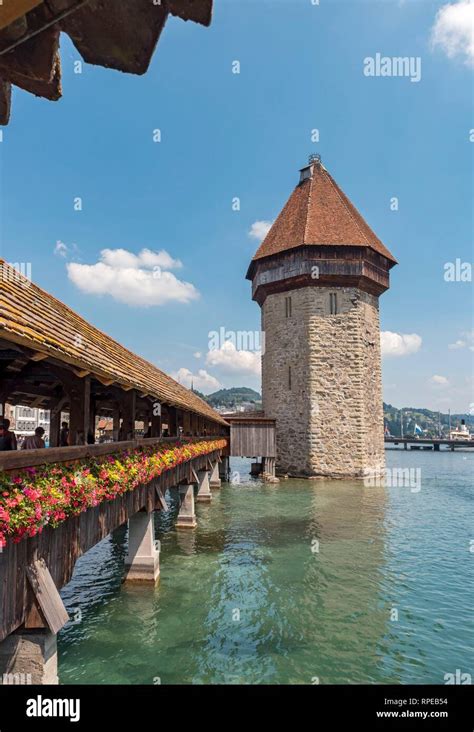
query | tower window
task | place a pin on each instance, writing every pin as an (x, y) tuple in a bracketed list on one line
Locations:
[(287, 307), (333, 303), (289, 378)]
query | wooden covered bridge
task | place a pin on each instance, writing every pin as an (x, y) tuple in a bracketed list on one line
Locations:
[(57, 503)]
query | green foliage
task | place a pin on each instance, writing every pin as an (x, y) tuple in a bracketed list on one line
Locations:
[(435, 423)]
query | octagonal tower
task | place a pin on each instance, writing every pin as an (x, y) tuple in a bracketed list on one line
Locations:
[(317, 277)]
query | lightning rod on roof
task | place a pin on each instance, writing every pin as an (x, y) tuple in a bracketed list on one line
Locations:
[(314, 158)]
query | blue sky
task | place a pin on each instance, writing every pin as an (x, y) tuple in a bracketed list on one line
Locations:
[(227, 135)]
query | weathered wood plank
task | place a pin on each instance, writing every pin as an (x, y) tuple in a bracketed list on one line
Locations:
[(47, 595), (10, 10), (252, 439)]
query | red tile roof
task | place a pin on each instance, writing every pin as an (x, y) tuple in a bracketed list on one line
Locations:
[(319, 213)]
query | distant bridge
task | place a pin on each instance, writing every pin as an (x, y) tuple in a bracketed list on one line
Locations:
[(427, 443)]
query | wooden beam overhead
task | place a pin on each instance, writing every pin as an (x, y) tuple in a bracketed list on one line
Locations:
[(81, 373), (38, 356), (11, 10), (103, 380)]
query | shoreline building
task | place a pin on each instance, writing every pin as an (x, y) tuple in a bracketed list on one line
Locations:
[(317, 277)]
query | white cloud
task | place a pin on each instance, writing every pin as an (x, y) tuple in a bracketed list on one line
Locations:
[(234, 361), (453, 30), (202, 381), (438, 380), (147, 259), (65, 250), (61, 249), (399, 344), (260, 229), (197, 354), (466, 341), (140, 280)]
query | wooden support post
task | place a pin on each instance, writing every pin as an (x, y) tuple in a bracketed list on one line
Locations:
[(224, 468), (92, 419), (179, 422), (55, 422), (128, 414), (116, 424), (186, 515), (194, 424), (172, 422), (156, 420), (54, 427), (187, 423), (47, 601), (79, 412)]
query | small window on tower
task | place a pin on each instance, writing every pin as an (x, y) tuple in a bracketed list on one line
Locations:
[(289, 378), (288, 307), (333, 303)]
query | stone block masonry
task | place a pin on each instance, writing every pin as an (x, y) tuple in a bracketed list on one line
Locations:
[(321, 381)]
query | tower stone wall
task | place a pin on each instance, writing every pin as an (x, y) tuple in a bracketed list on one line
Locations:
[(317, 277), (321, 380)]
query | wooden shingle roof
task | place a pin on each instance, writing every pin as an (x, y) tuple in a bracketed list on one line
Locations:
[(319, 213), (32, 318)]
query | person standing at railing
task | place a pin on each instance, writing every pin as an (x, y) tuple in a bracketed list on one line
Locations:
[(64, 435), (6, 442), (34, 442), (10, 434)]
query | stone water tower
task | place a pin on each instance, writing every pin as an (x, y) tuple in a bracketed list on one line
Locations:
[(317, 277)]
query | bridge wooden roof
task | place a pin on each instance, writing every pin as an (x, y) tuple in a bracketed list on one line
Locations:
[(32, 318), (319, 213), (118, 34)]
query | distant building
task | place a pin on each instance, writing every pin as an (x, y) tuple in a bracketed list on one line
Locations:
[(24, 420), (317, 277)]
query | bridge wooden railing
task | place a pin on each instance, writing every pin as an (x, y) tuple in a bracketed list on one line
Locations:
[(18, 459)]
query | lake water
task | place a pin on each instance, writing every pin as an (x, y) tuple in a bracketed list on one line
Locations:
[(299, 582)]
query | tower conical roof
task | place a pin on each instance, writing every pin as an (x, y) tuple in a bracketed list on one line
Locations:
[(319, 213)]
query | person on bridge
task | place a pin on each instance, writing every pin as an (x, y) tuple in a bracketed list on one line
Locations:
[(64, 435), (10, 433), (6, 439), (34, 442)]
